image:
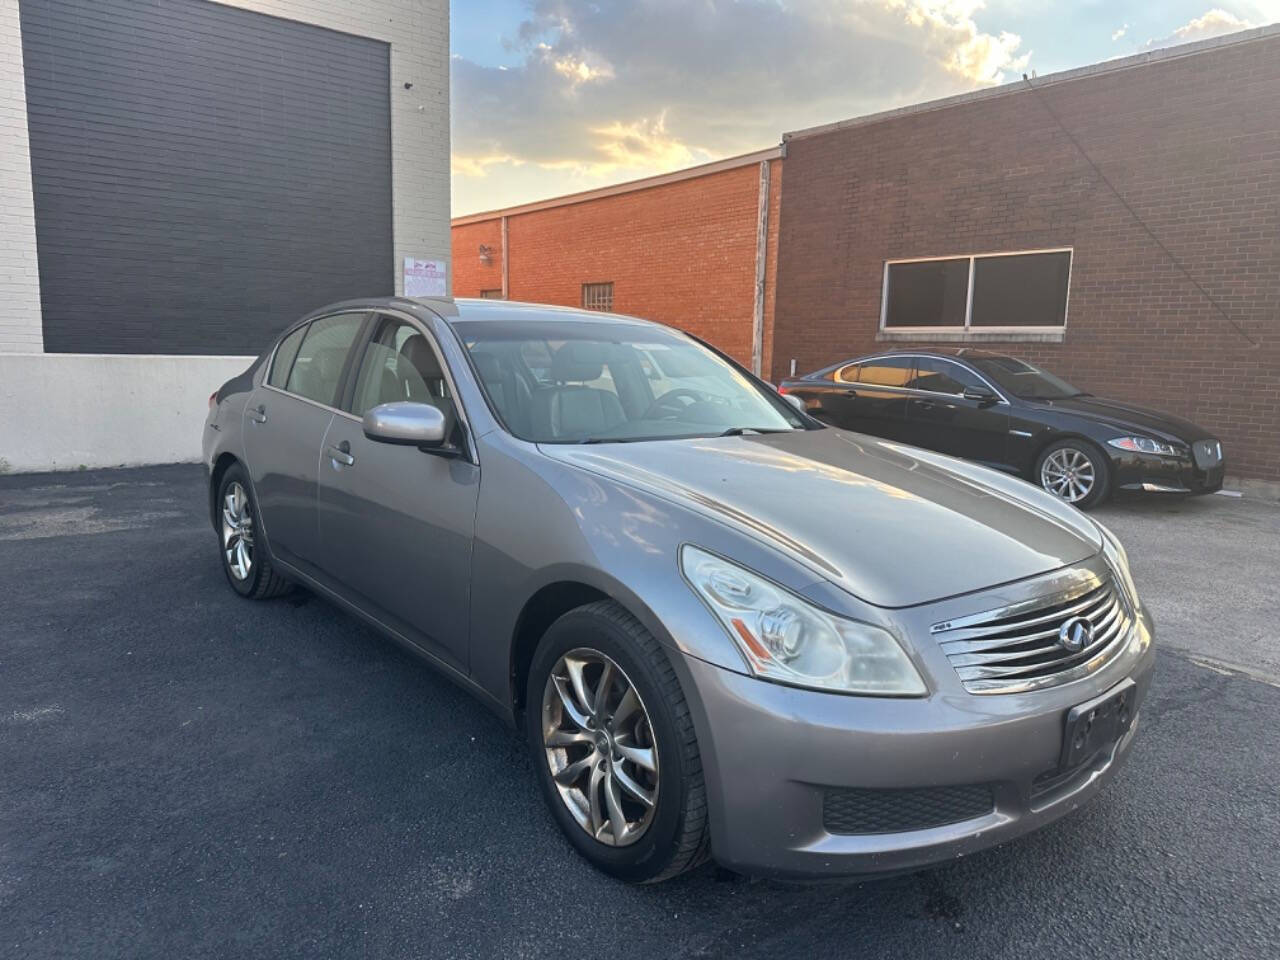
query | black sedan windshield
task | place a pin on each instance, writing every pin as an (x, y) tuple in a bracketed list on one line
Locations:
[(1024, 380), (587, 382)]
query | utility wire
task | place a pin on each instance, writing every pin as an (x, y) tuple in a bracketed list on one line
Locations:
[(1134, 213)]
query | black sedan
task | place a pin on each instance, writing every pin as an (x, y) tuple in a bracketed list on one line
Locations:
[(1011, 415)]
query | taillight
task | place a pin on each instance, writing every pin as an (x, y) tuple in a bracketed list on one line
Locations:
[(213, 399)]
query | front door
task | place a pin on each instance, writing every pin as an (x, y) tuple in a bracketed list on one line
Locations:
[(396, 523), (940, 417), (285, 422)]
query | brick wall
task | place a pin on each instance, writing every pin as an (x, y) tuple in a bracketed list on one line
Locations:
[(681, 253), (1192, 142)]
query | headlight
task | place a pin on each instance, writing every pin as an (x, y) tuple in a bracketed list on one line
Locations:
[(1118, 560), (1145, 445), (789, 640)]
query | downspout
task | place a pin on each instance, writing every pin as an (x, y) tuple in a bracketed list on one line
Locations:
[(505, 294), (762, 243)]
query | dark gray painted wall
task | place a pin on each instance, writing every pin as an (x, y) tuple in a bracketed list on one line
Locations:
[(202, 174)]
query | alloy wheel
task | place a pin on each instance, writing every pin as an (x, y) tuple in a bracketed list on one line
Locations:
[(1068, 474), (237, 531), (599, 747)]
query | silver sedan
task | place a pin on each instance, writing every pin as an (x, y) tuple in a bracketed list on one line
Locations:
[(727, 630)]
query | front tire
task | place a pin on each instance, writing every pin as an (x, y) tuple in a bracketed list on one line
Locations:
[(244, 558), (614, 747), (1076, 472)]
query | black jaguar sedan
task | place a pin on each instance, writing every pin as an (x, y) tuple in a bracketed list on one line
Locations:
[(1011, 415)]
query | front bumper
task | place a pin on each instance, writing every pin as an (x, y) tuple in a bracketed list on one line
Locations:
[(1156, 474), (773, 754)]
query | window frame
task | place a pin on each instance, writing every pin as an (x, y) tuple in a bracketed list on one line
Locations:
[(598, 285), (968, 329)]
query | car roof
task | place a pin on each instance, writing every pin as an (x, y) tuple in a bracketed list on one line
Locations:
[(455, 309)]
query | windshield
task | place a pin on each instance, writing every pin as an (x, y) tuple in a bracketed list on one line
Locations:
[(585, 382), (1024, 380)]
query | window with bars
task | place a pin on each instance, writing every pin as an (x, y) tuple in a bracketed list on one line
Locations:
[(1026, 289), (495, 294), (597, 296)]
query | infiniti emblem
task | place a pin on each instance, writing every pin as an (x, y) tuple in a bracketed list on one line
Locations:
[(1075, 634)]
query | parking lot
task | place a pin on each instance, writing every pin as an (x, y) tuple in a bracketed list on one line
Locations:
[(186, 774)]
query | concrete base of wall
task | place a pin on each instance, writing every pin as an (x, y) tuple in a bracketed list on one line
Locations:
[(1253, 488), (67, 411)]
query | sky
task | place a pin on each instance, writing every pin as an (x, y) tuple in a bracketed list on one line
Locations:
[(556, 96)]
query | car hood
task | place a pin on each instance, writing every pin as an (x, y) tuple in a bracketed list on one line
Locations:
[(891, 524), (1124, 416)]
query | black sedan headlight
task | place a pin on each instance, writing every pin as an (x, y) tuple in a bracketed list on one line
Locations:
[(1146, 445)]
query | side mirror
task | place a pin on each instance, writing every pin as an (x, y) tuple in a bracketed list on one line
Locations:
[(407, 423), (980, 393), (797, 402)]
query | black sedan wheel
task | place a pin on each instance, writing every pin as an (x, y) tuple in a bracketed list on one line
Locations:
[(1074, 471)]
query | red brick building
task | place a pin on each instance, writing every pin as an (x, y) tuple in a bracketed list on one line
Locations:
[(696, 249), (1166, 295)]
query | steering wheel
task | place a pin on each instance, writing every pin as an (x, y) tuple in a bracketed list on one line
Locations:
[(668, 405)]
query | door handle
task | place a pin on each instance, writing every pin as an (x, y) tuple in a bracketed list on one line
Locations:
[(341, 453), (258, 414), (850, 393), (925, 404)]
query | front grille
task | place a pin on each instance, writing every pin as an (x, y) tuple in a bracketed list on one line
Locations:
[(1017, 648), (857, 810), (1208, 453)]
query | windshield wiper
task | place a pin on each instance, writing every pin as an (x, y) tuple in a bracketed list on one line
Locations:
[(739, 431)]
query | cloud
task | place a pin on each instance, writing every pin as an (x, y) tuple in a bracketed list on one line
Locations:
[(1121, 32), (1214, 23), (634, 87)]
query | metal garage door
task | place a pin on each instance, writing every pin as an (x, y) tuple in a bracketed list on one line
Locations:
[(202, 174)]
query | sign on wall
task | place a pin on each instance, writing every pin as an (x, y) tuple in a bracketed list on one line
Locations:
[(424, 278)]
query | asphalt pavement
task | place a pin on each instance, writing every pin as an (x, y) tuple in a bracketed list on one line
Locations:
[(187, 774)]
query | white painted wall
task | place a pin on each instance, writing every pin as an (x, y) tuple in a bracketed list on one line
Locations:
[(20, 328), (61, 411)]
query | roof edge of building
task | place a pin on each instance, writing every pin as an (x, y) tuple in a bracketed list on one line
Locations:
[(1049, 79), (629, 186)]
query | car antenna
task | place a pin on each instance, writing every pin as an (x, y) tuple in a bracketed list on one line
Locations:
[(1134, 213)]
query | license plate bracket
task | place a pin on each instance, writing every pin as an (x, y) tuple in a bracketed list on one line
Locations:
[(1097, 723)]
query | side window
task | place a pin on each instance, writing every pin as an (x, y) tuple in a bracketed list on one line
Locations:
[(400, 364), (887, 371), (942, 376), (848, 373), (285, 353), (317, 369)]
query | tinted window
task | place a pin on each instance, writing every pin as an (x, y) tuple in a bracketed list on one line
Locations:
[(931, 293), (317, 369), (283, 363), (400, 364), (1028, 290), (942, 376), (887, 372), (847, 374)]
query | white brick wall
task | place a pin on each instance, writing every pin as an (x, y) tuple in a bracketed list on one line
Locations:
[(418, 31), (19, 275)]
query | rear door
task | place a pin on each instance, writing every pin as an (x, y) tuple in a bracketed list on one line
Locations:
[(940, 418), (285, 422), (396, 523), (877, 402)]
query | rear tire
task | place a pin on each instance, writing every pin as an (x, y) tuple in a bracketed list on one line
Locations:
[(245, 561), (659, 840), (1076, 472)]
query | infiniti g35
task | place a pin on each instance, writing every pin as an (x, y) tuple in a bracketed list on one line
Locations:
[(726, 629)]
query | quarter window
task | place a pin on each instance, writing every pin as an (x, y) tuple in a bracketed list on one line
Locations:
[(994, 291), (887, 371), (317, 369), (942, 376), (597, 296), (285, 353)]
